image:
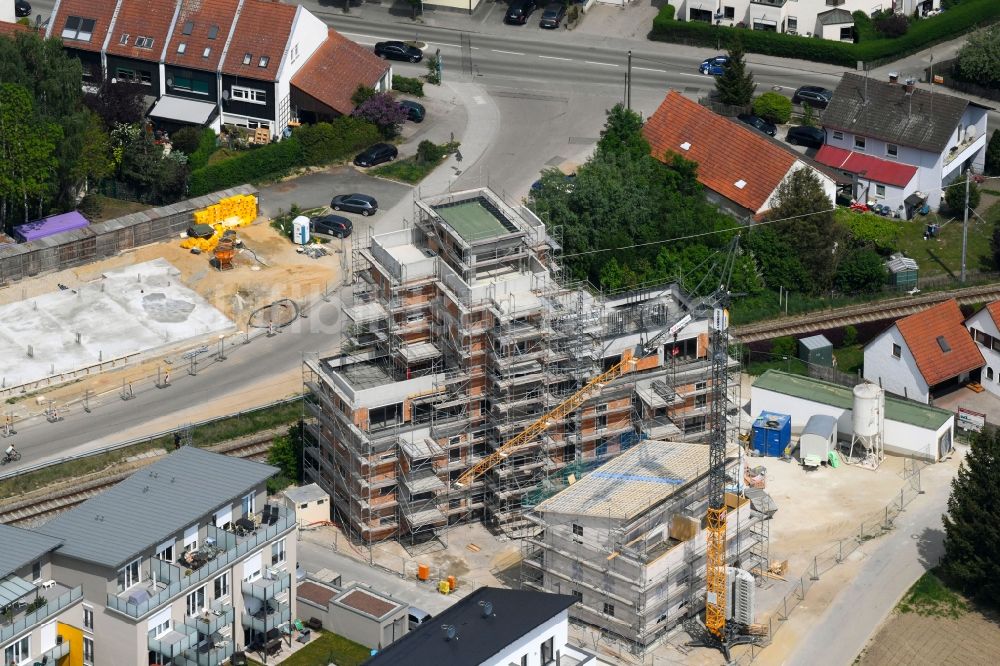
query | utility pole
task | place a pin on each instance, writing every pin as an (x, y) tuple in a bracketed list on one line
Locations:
[(628, 82), (965, 220)]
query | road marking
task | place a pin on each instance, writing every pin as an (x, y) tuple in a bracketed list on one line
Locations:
[(478, 99), (697, 76), (552, 57), (507, 52), (603, 64), (650, 69)]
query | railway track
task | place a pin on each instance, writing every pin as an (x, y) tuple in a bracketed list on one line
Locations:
[(38, 506), (893, 308)]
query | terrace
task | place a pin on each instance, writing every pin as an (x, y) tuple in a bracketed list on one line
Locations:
[(34, 606)]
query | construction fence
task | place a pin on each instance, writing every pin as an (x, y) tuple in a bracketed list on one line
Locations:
[(105, 239)]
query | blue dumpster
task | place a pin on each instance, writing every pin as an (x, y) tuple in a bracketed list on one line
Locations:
[(771, 433)]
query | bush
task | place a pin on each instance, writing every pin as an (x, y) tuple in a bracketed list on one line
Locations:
[(430, 153), (382, 110), (784, 346), (207, 144), (272, 160), (864, 29), (328, 142), (850, 335), (666, 13), (892, 25), (408, 85), (186, 139), (922, 34), (363, 94), (993, 155), (774, 107), (90, 207), (954, 196)]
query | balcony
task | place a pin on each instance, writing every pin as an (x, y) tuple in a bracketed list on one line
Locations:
[(55, 653), (19, 620), (172, 643), (171, 580), (267, 588), (208, 653), (270, 616), (219, 615)]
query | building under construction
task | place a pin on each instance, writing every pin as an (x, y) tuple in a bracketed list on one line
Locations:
[(628, 541), (460, 332)]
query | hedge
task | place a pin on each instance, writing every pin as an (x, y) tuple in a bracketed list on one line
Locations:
[(407, 84), (207, 143), (922, 34), (309, 145)]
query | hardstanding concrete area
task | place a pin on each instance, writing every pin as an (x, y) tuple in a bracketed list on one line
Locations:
[(128, 311)]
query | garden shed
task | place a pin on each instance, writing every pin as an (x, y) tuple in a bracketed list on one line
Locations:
[(816, 350)]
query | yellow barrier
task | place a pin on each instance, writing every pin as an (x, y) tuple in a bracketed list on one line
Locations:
[(229, 213)]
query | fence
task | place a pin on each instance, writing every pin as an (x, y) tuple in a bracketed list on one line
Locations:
[(947, 70), (104, 239)]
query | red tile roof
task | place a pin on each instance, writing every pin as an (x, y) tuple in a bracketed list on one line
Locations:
[(335, 71), (101, 11), (203, 14), (878, 170), (926, 331), (262, 30), (726, 152), (140, 18), (994, 310)]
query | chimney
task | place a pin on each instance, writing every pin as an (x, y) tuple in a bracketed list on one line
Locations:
[(910, 86), (894, 77)]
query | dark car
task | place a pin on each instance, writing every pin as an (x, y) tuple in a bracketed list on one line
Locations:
[(398, 51), (355, 203), (813, 137), (714, 66), (519, 11), (813, 96), (22, 8), (331, 225), (380, 152), (758, 123), (553, 15), (414, 111)]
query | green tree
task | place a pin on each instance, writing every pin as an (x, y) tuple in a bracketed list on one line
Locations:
[(995, 245), (142, 166), (28, 156), (735, 86), (862, 271), (362, 95), (286, 455), (972, 524), (804, 215), (808, 116), (850, 335), (993, 155), (785, 346), (954, 195), (622, 133), (979, 60), (774, 107)]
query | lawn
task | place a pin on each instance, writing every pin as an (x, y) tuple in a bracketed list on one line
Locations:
[(931, 597), (327, 648), (850, 359), (943, 255), (406, 170), (112, 208)]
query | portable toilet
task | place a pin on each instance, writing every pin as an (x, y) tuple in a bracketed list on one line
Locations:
[(819, 437), (771, 433), (816, 350), (300, 230)]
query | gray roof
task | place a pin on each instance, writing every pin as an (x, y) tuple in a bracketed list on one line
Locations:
[(151, 505), (19, 547), (823, 425), (307, 493), (815, 342), (922, 120), (835, 17)]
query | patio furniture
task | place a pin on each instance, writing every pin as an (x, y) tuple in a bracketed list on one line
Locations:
[(239, 658), (314, 623)]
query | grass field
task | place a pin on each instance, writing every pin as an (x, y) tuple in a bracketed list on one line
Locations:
[(471, 220), (327, 648), (943, 255)]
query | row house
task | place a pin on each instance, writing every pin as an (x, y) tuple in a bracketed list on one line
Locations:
[(252, 63)]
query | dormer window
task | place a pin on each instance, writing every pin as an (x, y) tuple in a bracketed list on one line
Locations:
[(247, 57), (182, 47), (213, 32), (124, 39), (206, 52), (144, 42), (80, 29), (188, 27), (263, 61)]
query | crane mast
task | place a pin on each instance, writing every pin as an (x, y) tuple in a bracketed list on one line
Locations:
[(715, 567)]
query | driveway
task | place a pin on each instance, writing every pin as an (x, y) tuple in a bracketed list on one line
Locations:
[(316, 189)]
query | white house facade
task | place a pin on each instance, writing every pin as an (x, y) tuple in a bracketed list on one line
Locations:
[(985, 331), (890, 364)]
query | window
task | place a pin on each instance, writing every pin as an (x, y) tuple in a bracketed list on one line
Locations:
[(578, 594), (161, 628), (278, 552), (792, 24), (206, 52), (729, 13), (897, 351), (128, 575), (17, 652), (188, 27), (548, 654), (190, 84), (36, 570), (81, 29), (182, 47), (124, 39), (577, 529), (144, 42), (248, 504), (609, 609), (839, 136), (213, 32), (247, 57), (891, 150), (221, 585), (88, 651), (859, 143), (88, 618), (134, 76), (196, 601), (166, 553), (295, 53), (989, 373), (943, 344), (847, 33), (880, 190), (263, 61), (524, 660), (454, 454), (251, 95), (602, 421)]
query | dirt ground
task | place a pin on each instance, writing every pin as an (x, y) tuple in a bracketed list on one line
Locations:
[(909, 639)]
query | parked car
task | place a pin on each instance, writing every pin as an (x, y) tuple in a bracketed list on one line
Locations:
[(519, 11), (398, 51), (553, 15), (813, 96), (714, 66), (380, 152), (813, 137), (417, 617), (22, 8), (758, 123), (331, 225), (414, 110), (355, 203)]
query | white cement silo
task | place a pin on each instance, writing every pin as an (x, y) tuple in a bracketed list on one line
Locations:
[(868, 420)]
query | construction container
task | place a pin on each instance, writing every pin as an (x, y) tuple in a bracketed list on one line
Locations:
[(451, 583), (300, 230), (819, 437), (423, 571), (816, 350), (771, 433), (443, 587)]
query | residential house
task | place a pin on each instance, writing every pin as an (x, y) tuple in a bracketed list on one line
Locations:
[(924, 353), (492, 627), (829, 19), (179, 563), (42, 618), (251, 63), (901, 143), (740, 168), (984, 326), (358, 613)]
